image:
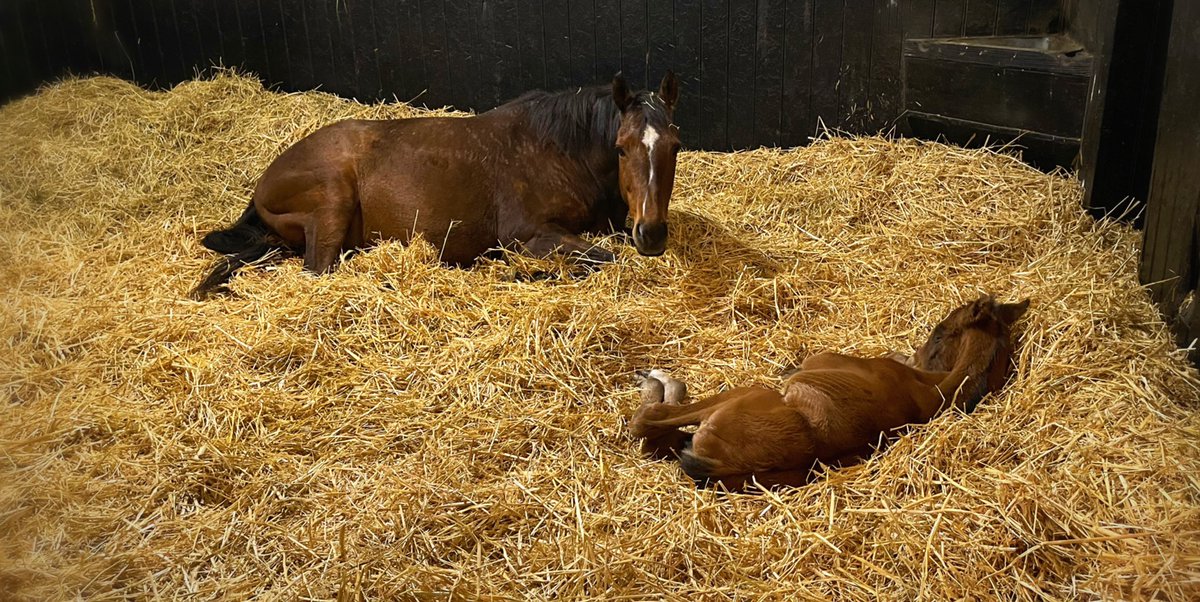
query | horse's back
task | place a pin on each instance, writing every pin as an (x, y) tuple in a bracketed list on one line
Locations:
[(397, 178), (851, 400), (436, 177)]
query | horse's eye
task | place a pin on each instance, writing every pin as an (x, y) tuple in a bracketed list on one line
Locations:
[(620, 151)]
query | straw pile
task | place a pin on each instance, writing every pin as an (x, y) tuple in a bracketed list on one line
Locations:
[(404, 430)]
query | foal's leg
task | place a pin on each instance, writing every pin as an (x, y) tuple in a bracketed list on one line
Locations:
[(752, 434), (654, 418), (659, 443)]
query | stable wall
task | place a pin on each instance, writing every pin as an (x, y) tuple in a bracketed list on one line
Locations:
[(754, 72)]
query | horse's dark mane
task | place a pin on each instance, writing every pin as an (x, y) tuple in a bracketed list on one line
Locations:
[(574, 119)]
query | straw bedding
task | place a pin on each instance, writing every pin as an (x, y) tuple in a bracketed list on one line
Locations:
[(404, 430)]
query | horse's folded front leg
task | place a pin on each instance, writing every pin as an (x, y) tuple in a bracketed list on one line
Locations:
[(558, 240)]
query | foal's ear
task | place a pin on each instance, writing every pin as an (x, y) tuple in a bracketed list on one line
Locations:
[(668, 90), (1011, 312), (621, 94)]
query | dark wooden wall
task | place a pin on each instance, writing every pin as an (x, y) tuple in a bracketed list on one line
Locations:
[(1129, 41), (1171, 248), (755, 72)]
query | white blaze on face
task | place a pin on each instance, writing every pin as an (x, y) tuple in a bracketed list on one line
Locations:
[(649, 137)]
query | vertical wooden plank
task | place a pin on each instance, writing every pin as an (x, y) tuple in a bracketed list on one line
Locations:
[(948, 18), (224, 14), (253, 39), (740, 97), (887, 41), (72, 48), (1044, 16), (980, 18), (485, 91), (660, 37), (275, 42), (1170, 244), (98, 42), (461, 44), (556, 39), (148, 46), (123, 58), (41, 60), (687, 67), (437, 57), (583, 42), (180, 44), (208, 31), (827, 61), (531, 46), (97, 27), (917, 18), (714, 72), (610, 30), (402, 51), (504, 74), (1010, 17), (1120, 125), (19, 78), (797, 121), (854, 108), (200, 48), (320, 28), (333, 55), (634, 43), (768, 77), (361, 32), (295, 40), (9, 86)]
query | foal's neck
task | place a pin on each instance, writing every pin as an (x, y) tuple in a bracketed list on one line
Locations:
[(969, 379)]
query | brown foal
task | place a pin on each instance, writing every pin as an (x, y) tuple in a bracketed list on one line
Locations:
[(833, 410)]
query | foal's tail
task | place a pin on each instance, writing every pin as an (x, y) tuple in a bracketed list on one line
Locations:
[(245, 242)]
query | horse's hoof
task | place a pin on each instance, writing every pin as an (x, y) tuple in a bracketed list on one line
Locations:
[(674, 390), (599, 255), (652, 391)]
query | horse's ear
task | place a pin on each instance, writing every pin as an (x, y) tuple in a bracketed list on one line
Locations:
[(621, 94), (1011, 312), (668, 90)]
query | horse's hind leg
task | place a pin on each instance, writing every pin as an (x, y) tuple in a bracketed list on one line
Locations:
[(659, 443), (326, 232)]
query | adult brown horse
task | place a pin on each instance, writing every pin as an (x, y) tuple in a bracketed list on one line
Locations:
[(533, 173), (834, 410)]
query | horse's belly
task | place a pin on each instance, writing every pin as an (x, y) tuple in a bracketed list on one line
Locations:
[(445, 208)]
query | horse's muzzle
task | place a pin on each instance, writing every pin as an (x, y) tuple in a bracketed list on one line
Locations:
[(650, 239)]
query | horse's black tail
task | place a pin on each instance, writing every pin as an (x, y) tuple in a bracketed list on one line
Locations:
[(700, 469), (246, 241)]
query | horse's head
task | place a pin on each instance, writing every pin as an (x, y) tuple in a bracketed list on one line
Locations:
[(647, 142), (977, 336)]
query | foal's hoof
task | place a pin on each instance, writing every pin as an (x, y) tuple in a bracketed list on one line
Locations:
[(673, 391), (652, 389)]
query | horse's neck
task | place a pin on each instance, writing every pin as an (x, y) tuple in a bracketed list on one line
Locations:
[(596, 176), (971, 371)]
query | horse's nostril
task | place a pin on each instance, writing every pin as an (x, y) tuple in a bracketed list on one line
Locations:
[(652, 232)]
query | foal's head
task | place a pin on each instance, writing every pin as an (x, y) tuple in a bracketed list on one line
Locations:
[(977, 336), (647, 142)]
